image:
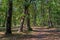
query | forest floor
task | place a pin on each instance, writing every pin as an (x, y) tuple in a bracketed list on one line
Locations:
[(38, 33)]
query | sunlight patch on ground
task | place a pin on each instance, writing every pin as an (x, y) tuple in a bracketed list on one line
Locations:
[(2, 33)]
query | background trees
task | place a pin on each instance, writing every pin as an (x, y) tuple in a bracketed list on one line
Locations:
[(41, 12)]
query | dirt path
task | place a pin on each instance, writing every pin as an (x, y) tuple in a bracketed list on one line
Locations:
[(37, 34)]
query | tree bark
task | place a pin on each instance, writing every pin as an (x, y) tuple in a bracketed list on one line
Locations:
[(4, 23), (9, 19), (28, 22), (35, 11), (23, 18), (42, 12), (50, 24), (28, 16), (21, 25)]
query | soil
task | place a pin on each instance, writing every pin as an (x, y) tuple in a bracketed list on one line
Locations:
[(38, 33)]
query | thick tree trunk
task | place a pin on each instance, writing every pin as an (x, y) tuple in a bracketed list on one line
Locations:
[(9, 19)]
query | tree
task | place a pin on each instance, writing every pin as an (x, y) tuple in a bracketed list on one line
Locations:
[(9, 18), (4, 23), (49, 19), (26, 6), (42, 12), (21, 25), (50, 23), (35, 11)]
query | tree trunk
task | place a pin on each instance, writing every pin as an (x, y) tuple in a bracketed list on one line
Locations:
[(23, 18), (49, 19), (35, 11), (28, 22), (42, 13), (28, 16), (21, 25), (9, 18), (4, 24)]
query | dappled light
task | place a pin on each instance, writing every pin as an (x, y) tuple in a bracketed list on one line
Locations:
[(29, 19), (37, 34)]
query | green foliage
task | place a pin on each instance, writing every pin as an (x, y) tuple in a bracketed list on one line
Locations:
[(18, 11)]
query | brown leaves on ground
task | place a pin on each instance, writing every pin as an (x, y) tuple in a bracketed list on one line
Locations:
[(37, 34)]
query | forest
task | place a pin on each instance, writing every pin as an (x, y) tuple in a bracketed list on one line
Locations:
[(29, 19)]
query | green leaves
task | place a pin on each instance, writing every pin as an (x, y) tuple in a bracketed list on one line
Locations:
[(18, 10)]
